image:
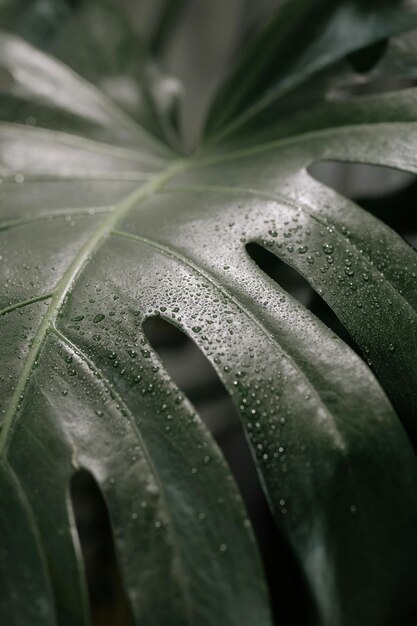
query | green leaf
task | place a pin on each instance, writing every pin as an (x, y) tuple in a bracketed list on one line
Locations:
[(22, 563), (103, 226), (111, 55), (302, 39)]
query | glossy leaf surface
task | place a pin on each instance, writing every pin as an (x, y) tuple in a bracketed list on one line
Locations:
[(103, 225)]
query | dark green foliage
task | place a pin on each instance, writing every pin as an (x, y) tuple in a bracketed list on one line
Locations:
[(108, 220)]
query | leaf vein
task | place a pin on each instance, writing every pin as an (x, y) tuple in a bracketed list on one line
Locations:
[(23, 303), (66, 282)]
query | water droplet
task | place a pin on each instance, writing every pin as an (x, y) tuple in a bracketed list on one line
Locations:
[(328, 248), (98, 318)]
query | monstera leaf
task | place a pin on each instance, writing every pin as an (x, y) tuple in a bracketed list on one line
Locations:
[(105, 223)]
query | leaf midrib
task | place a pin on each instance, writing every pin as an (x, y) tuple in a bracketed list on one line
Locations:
[(66, 282)]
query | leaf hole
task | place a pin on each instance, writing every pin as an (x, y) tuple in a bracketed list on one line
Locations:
[(387, 193), (300, 289), (109, 604), (365, 59), (193, 373)]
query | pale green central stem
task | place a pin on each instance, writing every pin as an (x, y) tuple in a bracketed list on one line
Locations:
[(67, 281)]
